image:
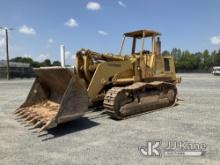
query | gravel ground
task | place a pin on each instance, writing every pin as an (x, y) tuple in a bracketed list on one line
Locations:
[(97, 139)]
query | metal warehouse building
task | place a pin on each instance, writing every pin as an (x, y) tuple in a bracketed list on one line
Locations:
[(17, 70)]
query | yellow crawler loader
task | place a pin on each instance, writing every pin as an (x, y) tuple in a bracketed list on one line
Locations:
[(125, 85)]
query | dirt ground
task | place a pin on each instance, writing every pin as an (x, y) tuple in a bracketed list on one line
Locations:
[(97, 139)]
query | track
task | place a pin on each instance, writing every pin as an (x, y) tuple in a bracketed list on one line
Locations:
[(122, 102)]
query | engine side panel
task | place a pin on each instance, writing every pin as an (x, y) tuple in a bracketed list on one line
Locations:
[(104, 72)]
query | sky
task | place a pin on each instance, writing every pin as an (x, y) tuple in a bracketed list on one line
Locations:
[(40, 26)]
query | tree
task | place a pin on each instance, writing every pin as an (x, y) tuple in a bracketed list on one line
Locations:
[(216, 57), (46, 62), (35, 64), (198, 56), (165, 52), (176, 53), (22, 60), (56, 63), (206, 61), (185, 61)]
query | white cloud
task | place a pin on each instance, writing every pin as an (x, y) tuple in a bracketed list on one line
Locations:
[(215, 40), (27, 30), (71, 23), (50, 41), (2, 44), (67, 54), (122, 4), (93, 6), (27, 55), (2, 41), (73, 60), (2, 57), (101, 32), (73, 57), (70, 57), (43, 57), (2, 33)]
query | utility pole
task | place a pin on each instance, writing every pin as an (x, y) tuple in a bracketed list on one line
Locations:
[(7, 54), (7, 50)]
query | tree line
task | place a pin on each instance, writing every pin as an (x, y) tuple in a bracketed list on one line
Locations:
[(35, 64), (184, 59), (195, 62)]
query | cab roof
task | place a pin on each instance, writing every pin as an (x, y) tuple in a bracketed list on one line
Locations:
[(139, 33)]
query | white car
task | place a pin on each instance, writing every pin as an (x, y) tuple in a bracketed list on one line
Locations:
[(216, 70)]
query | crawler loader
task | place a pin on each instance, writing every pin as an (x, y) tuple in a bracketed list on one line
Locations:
[(125, 85)]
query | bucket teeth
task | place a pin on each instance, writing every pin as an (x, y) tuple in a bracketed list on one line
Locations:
[(39, 123), (27, 125), (29, 117), (18, 110), (44, 127), (18, 113), (34, 120), (25, 115), (22, 116), (21, 113)]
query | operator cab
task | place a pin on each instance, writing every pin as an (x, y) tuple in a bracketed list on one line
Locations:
[(143, 42)]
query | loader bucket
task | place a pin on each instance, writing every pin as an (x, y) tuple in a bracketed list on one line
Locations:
[(57, 95)]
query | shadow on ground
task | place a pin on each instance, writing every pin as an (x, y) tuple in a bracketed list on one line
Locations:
[(85, 123), (67, 128)]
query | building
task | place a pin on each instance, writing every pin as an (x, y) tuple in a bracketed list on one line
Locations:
[(16, 69)]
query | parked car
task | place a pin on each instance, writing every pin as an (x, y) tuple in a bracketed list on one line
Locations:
[(216, 70)]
